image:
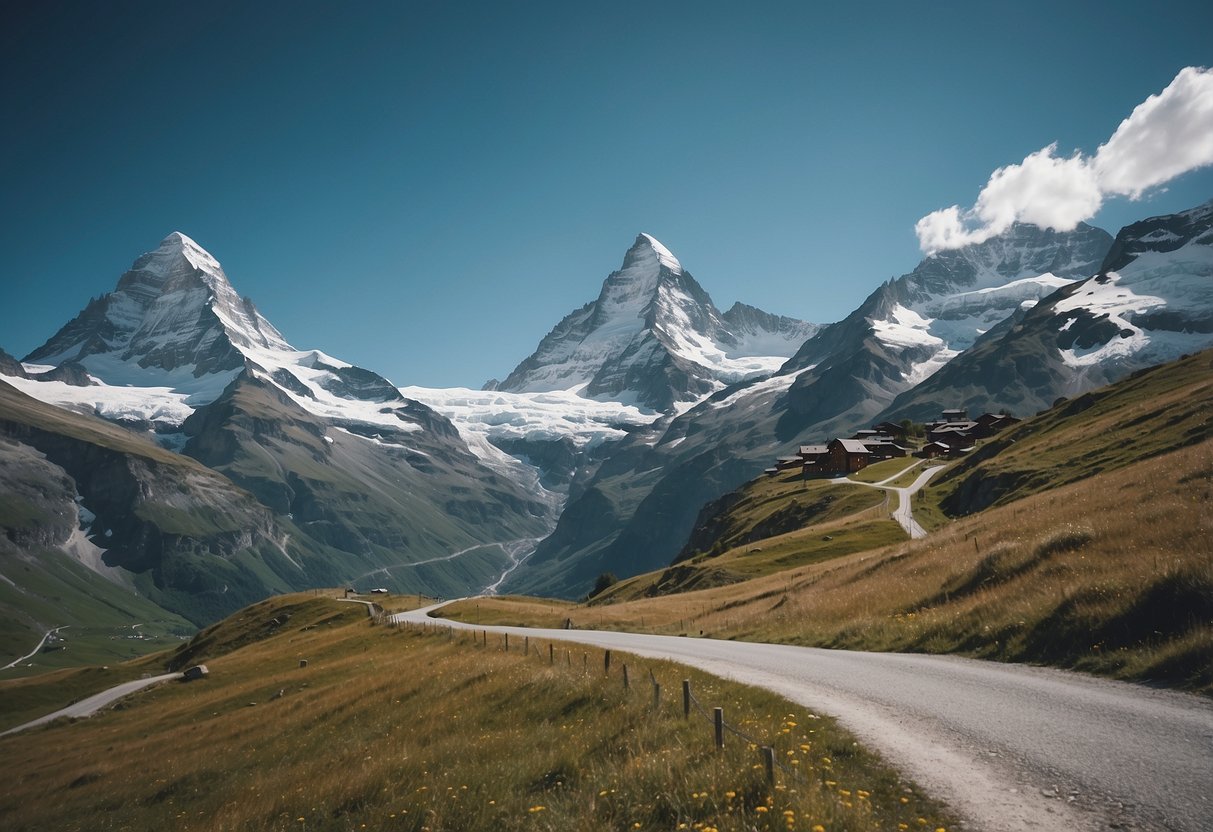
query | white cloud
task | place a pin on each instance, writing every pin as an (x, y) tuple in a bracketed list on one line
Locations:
[(1166, 135)]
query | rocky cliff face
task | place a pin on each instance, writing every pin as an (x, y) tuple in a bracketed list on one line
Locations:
[(173, 310), (185, 536)]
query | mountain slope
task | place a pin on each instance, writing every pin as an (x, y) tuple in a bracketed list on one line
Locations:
[(635, 514), (1150, 301), (379, 494), (373, 479), (654, 337), (138, 516)]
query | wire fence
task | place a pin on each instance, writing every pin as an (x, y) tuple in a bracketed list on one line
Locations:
[(691, 703)]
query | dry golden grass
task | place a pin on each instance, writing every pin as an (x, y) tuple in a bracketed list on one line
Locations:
[(1112, 575), (406, 730)]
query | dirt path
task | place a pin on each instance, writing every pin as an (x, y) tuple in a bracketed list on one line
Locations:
[(34, 652), (904, 513), (1009, 747)]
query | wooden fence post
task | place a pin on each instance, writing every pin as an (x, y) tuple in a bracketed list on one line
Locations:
[(768, 760), (686, 698), (606, 662), (526, 645), (551, 654), (625, 677), (718, 723), (656, 695), (507, 642)]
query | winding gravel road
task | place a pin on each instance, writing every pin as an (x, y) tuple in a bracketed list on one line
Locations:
[(904, 513), (1008, 747), (38, 647)]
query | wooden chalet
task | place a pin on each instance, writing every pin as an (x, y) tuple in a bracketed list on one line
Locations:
[(885, 448), (931, 450), (785, 463), (989, 424), (951, 432), (815, 459), (848, 455)]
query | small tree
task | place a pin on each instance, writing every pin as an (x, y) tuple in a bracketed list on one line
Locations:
[(604, 582)]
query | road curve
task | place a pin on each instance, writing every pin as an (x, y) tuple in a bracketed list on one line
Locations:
[(904, 513), (1008, 747), (92, 704), (905, 506)]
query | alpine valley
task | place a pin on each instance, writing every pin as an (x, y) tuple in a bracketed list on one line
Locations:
[(169, 451)]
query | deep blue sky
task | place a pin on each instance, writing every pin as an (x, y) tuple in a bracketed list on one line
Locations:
[(426, 188)]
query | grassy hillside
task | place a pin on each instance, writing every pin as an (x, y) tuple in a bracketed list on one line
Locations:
[(1090, 546), (1153, 412), (771, 524), (1111, 575), (104, 622), (410, 730)]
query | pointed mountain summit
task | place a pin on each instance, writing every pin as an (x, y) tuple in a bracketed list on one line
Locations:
[(174, 334), (352, 476), (635, 512), (174, 311), (654, 337)]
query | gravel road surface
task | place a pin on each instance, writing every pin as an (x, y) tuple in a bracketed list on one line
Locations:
[(1008, 747), (94, 703)]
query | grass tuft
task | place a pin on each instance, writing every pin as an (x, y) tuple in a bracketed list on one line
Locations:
[(1065, 538)]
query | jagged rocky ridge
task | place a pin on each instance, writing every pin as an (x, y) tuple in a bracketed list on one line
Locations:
[(1149, 302)]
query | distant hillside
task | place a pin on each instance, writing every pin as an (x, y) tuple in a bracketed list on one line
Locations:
[(133, 518), (1154, 411)]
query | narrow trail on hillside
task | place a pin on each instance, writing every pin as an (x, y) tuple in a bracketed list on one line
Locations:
[(90, 705), (509, 547), (904, 513), (1011, 748), (34, 652)]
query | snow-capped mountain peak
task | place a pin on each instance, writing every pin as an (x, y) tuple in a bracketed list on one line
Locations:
[(648, 244), (653, 337), (928, 316), (174, 334), (173, 312)]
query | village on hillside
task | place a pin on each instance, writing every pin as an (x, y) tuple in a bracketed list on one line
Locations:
[(952, 435)]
